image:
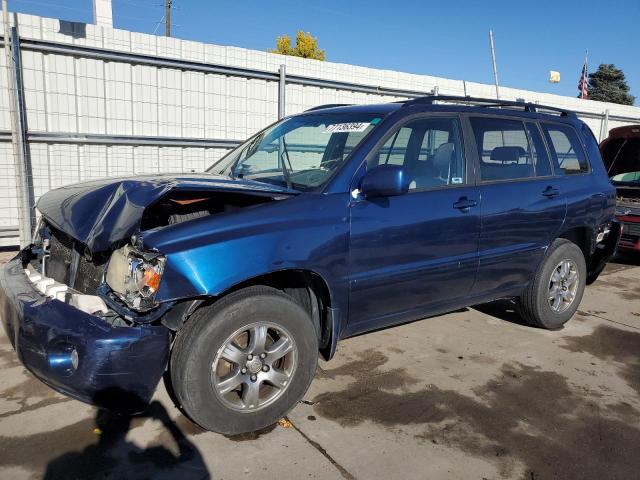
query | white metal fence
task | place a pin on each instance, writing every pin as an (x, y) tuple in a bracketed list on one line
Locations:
[(105, 102)]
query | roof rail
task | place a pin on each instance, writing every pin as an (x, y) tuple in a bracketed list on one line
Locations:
[(489, 102), (328, 105)]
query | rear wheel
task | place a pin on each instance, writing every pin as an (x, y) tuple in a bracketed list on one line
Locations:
[(242, 363), (554, 294)]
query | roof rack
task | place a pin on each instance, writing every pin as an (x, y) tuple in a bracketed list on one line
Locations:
[(328, 105), (489, 102)]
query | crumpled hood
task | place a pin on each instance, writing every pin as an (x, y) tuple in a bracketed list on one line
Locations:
[(101, 212)]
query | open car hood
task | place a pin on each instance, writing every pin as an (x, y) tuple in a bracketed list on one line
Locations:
[(621, 150), (102, 212)]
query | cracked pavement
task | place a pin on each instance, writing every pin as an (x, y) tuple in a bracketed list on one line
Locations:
[(471, 394)]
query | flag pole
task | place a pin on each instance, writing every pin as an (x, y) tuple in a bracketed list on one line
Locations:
[(493, 59)]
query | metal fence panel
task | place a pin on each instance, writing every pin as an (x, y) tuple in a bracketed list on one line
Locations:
[(106, 102)]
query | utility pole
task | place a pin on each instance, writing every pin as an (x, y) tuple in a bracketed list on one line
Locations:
[(493, 59), (167, 18)]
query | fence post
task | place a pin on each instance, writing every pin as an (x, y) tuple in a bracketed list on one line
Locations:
[(604, 126), (282, 92), (24, 180)]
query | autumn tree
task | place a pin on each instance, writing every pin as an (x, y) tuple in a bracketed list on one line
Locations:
[(608, 84), (306, 46)]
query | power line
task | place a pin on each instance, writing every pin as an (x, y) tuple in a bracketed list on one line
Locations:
[(160, 22)]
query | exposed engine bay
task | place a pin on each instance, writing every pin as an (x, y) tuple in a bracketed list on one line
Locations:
[(181, 206), (121, 277)]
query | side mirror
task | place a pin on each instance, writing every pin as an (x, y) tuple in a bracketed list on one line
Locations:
[(385, 181)]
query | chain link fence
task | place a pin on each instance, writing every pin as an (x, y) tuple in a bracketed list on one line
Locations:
[(100, 102)]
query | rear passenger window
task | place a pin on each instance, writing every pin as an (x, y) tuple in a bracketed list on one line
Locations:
[(430, 150), (503, 147), (567, 153)]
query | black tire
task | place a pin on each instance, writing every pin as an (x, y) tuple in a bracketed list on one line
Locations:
[(533, 304), (198, 343)]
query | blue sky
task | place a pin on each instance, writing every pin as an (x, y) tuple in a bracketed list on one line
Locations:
[(448, 39)]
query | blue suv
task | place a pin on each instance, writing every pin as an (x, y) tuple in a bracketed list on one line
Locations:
[(325, 225)]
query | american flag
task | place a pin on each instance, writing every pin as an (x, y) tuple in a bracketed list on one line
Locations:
[(583, 86)]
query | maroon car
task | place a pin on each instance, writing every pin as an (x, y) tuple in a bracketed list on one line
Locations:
[(621, 155)]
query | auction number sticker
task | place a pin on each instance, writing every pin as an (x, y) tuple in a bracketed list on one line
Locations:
[(347, 127)]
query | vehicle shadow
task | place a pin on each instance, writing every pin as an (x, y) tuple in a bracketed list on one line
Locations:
[(503, 310), (623, 258), (113, 456)]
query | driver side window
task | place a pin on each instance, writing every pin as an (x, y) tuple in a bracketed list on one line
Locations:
[(430, 149)]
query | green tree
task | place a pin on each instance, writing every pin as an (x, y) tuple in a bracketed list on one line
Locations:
[(608, 84), (306, 46)]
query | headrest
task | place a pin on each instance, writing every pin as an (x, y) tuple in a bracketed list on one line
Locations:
[(508, 154), (442, 157)]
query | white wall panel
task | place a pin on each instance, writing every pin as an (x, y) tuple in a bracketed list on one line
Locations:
[(145, 100), (169, 102), (146, 159), (236, 108), (40, 168), (171, 159), (93, 162), (120, 161), (193, 104), (194, 159), (215, 106), (90, 96), (34, 90), (64, 165), (60, 85), (8, 193), (118, 93), (5, 116), (143, 43)]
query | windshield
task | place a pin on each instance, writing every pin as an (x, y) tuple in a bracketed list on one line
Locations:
[(299, 152)]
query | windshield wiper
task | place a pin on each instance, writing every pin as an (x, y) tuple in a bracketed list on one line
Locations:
[(247, 151), (285, 171)]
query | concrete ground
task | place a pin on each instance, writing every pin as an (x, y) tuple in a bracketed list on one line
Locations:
[(473, 394)]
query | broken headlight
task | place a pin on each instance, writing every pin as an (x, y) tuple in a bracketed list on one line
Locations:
[(135, 276)]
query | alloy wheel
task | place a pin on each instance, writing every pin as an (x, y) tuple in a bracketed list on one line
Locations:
[(563, 285), (254, 366)]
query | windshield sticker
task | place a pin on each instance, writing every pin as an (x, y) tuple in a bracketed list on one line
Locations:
[(347, 127)]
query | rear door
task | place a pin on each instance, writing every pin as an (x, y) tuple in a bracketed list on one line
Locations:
[(523, 206), (415, 252)]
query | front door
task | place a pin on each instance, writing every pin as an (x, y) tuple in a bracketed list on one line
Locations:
[(417, 252)]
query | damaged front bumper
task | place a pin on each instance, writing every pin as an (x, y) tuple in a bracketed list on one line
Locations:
[(77, 353)]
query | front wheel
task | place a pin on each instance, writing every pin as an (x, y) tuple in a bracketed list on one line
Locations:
[(242, 363), (554, 294)]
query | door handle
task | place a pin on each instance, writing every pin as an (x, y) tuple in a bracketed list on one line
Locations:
[(551, 192), (464, 204)]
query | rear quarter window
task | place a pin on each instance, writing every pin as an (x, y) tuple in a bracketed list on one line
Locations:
[(567, 153)]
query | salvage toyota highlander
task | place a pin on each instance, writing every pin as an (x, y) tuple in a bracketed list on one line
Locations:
[(331, 223)]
